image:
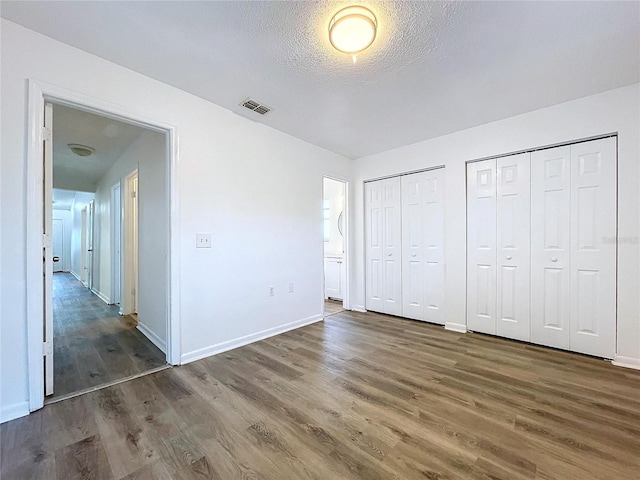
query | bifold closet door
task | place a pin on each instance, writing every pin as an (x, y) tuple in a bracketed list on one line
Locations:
[(513, 228), (573, 245), (481, 246), (593, 247), (422, 246), (550, 246), (383, 246)]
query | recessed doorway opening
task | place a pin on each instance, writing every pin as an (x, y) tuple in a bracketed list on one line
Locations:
[(335, 238)]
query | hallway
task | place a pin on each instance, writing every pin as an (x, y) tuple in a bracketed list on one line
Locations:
[(93, 344)]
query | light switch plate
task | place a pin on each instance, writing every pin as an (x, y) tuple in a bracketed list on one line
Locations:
[(203, 240)]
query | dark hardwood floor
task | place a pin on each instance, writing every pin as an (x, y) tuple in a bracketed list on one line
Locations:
[(331, 307), (94, 345), (358, 396)]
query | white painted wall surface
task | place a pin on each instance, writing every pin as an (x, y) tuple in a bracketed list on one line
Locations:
[(612, 111), (65, 216), (82, 200), (257, 190)]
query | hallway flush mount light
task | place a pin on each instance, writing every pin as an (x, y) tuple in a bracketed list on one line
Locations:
[(352, 30), (81, 150)]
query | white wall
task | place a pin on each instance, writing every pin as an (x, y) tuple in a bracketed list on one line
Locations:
[(262, 205), (81, 200), (334, 190), (147, 154), (65, 216), (613, 111)]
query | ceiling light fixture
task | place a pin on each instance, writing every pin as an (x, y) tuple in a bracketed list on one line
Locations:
[(81, 150), (352, 30)]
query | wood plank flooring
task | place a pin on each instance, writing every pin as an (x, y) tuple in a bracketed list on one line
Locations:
[(358, 396), (331, 307), (93, 344)]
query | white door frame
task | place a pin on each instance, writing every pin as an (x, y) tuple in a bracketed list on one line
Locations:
[(129, 257), (40, 92), (346, 299), (116, 243)]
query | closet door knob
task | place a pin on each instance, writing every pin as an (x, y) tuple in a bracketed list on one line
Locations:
[(389, 254), (413, 254), (554, 259), (509, 257)]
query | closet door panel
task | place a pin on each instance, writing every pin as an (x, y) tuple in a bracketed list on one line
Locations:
[(593, 252), (433, 234), (374, 246), (513, 246), (413, 262), (392, 247), (550, 246), (481, 246)]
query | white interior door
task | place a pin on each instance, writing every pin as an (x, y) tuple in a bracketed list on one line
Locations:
[(58, 244), (392, 246), (383, 246), (89, 265), (48, 247), (481, 246), (116, 228), (333, 277), (593, 258), (550, 246), (513, 246), (373, 247), (422, 245)]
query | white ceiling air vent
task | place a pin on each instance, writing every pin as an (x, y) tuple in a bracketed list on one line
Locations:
[(257, 107)]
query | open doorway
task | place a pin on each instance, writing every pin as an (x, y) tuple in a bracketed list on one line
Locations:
[(335, 224), (97, 335)]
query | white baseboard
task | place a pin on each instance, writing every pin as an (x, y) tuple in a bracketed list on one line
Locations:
[(11, 412), (153, 338), (247, 339), (75, 275), (359, 308), (627, 362), (101, 296), (456, 327)]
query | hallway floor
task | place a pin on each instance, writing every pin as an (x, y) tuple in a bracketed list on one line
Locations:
[(93, 344), (331, 307)]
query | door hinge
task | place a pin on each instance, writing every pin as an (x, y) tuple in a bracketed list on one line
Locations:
[(133, 194), (47, 348), (133, 291), (46, 134), (46, 240)]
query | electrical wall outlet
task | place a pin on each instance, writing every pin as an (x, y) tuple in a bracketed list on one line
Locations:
[(271, 291), (290, 287), (203, 240)]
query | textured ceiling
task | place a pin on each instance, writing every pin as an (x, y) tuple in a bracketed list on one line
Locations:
[(435, 68), (110, 138)]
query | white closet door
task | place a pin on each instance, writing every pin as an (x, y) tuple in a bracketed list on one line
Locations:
[(550, 246), (392, 246), (413, 255), (374, 241), (481, 246), (422, 245), (513, 246), (593, 247), (383, 246)]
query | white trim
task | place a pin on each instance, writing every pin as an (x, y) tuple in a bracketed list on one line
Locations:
[(13, 411), (359, 308), (101, 296), (247, 339), (153, 337), (40, 92), (75, 275), (456, 327), (346, 293), (627, 362)]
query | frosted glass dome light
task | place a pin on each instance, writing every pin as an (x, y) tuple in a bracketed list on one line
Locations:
[(352, 30)]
